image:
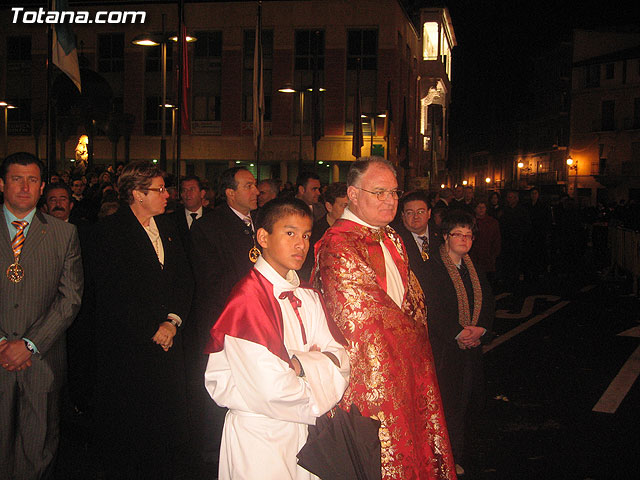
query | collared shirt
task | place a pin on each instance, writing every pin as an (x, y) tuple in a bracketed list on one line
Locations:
[(395, 288), (10, 217), (190, 219), (416, 237), (242, 216)]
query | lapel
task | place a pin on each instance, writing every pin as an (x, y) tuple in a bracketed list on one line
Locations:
[(138, 239), (5, 242), (167, 241), (37, 232)]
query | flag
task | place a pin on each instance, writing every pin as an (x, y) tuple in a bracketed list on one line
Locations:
[(403, 141), (316, 118), (358, 137), (388, 115), (258, 85), (64, 51), (186, 81)]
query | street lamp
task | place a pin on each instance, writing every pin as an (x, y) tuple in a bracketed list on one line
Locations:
[(573, 165), (154, 40), (5, 137), (288, 88), (372, 117), (173, 134)]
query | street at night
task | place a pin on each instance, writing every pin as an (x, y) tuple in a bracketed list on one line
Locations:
[(558, 347)]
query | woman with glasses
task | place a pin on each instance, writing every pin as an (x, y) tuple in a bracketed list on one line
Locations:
[(460, 309), (139, 285)]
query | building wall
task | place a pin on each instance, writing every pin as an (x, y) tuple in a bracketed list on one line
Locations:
[(399, 55)]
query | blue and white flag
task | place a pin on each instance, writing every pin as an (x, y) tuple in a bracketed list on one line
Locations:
[(65, 54)]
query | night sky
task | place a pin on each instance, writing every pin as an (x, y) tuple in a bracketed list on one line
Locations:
[(497, 40)]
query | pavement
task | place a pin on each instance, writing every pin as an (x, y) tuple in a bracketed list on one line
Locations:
[(556, 355)]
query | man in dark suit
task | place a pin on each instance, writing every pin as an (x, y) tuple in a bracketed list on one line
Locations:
[(308, 190), (220, 244), (191, 194), (420, 236), (40, 295), (446, 196), (335, 201)]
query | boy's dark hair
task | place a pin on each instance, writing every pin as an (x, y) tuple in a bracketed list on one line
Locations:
[(334, 191), (457, 218), (21, 158), (278, 208)]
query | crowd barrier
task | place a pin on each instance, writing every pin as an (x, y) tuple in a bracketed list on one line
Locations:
[(624, 245)]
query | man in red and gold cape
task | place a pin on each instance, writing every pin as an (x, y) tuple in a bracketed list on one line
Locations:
[(370, 293)]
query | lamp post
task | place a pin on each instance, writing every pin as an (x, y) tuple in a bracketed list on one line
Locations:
[(372, 117), (573, 165), (5, 136), (154, 40), (301, 92)]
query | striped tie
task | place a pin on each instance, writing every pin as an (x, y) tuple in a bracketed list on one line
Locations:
[(424, 251), (18, 240)]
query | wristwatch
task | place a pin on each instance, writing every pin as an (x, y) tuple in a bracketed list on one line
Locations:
[(30, 347), (174, 322)]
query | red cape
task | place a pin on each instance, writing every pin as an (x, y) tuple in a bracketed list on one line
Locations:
[(252, 313)]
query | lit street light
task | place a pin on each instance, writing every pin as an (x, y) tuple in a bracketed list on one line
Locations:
[(154, 40), (5, 137)]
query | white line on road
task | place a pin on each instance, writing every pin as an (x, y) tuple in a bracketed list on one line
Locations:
[(527, 307), (523, 326), (620, 386)]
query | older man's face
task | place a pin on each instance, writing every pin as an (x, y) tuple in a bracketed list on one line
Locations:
[(58, 203), (266, 193), (365, 205)]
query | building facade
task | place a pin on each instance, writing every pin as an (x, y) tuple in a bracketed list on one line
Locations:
[(331, 37)]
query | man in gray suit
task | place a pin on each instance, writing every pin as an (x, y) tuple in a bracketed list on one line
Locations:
[(40, 293)]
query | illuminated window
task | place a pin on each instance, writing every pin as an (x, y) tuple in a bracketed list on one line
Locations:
[(430, 41)]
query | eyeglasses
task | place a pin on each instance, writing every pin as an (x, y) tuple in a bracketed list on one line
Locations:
[(462, 236), (158, 189), (382, 195), (411, 213)]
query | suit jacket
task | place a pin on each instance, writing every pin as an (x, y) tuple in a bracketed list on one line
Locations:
[(413, 252), (219, 253), (180, 220), (42, 306), (140, 388)]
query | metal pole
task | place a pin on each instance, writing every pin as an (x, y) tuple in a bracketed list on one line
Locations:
[(373, 131), (5, 133), (301, 128), (163, 113)]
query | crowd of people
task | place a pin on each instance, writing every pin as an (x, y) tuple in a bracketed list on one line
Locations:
[(192, 328)]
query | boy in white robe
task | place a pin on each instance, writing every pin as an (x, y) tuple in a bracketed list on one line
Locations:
[(274, 360)]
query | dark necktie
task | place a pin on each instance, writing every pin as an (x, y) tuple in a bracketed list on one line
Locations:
[(424, 251), (193, 216), (295, 303)]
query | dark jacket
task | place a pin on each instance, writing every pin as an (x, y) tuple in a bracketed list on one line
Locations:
[(140, 388), (219, 254)]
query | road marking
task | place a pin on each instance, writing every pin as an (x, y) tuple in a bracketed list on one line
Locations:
[(620, 386), (522, 327), (622, 383), (587, 288), (527, 307)]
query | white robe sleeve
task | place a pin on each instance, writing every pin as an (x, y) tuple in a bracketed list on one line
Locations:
[(246, 376)]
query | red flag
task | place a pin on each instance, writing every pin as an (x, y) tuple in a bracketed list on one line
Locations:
[(358, 137), (186, 81)]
